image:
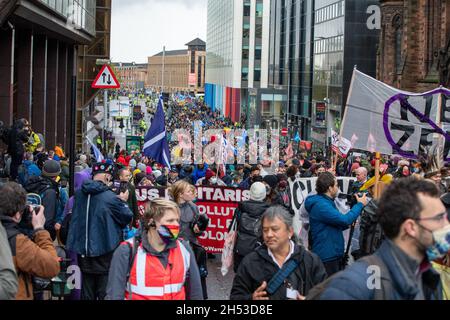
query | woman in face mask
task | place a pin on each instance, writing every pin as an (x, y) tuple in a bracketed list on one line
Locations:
[(155, 265)]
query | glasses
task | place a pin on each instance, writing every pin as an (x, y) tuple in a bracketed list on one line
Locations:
[(437, 218)]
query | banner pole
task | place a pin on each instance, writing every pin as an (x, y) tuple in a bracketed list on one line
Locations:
[(377, 174)]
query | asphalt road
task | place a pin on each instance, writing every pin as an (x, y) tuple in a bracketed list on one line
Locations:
[(219, 287)]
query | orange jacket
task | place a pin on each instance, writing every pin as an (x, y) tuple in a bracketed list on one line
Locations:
[(59, 152), (34, 258)]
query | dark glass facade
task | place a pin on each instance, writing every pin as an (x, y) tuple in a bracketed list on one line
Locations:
[(342, 41), (290, 68)]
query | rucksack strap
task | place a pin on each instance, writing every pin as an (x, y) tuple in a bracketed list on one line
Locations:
[(279, 277)]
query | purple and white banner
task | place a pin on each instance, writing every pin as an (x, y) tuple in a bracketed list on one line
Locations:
[(380, 118)]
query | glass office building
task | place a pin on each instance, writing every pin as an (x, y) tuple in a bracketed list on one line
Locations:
[(288, 99), (342, 40)]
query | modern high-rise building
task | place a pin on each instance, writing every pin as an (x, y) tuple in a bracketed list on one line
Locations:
[(237, 54), (344, 37)]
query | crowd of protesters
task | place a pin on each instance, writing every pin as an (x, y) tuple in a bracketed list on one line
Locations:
[(127, 253)]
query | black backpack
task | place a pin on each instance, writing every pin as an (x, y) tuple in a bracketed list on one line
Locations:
[(247, 234), (371, 233)]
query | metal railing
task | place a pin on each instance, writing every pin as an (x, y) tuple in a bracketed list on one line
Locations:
[(79, 13)]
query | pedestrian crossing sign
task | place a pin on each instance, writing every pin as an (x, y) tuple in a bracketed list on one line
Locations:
[(106, 79)]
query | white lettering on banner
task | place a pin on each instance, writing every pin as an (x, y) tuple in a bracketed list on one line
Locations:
[(302, 187), (222, 194), (213, 210), (149, 194)]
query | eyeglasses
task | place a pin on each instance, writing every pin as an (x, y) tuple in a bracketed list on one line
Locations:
[(438, 218)]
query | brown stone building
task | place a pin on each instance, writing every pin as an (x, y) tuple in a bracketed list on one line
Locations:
[(184, 70), (414, 51), (132, 75)]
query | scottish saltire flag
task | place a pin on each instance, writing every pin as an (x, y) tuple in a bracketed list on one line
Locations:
[(98, 155), (156, 146)]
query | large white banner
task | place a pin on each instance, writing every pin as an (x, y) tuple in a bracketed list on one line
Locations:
[(380, 118), (300, 189)]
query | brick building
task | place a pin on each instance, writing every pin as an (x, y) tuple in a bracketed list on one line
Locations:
[(414, 48)]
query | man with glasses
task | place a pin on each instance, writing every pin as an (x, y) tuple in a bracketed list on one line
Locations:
[(417, 231)]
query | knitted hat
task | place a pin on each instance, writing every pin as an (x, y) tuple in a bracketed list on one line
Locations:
[(209, 174), (142, 167), (258, 191), (102, 168), (51, 169), (271, 180), (157, 173), (132, 163)]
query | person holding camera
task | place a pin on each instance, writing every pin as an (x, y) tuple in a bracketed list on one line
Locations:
[(192, 224), (327, 222), (96, 229), (35, 256)]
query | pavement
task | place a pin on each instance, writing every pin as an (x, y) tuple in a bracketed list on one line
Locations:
[(219, 287)]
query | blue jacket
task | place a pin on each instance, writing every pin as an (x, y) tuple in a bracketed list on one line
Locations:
[(351, 284), (33, 169), (198, 174), (98, 220), (327, 224)]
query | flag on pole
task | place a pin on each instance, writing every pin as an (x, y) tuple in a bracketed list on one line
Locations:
[(297, 138), (156, 146), (98, 155)]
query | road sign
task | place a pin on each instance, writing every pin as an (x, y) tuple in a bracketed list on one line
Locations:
[(106, 79), (284, 132)]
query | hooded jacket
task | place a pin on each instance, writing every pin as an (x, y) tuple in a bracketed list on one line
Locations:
[(327, 224), (409, 279), (258, 267), (98, 218)]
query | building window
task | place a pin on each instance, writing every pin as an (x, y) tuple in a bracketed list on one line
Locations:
[(247, 10), (398, 31), (259, 10)]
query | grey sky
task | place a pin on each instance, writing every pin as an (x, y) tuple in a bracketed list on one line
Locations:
[(140, 28)]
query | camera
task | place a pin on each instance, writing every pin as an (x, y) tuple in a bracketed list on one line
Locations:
[(351, 198), (119, 187), (33, 205)]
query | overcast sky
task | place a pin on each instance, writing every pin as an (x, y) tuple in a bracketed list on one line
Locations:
[(140, 28)]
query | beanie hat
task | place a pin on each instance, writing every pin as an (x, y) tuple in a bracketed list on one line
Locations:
[(139, 177), (149, 170), (258, 191), (132, 163), (157, 173), (102, 168), (209, 174), (142, 167), (271, 180), (51, 169)]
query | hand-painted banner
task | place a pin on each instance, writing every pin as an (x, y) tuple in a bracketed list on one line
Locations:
[(219, 203), (302, 187), (383, 119)]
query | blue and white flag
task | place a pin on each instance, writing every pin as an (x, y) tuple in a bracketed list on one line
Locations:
[(297, 137), (156, 146), (98, 155)]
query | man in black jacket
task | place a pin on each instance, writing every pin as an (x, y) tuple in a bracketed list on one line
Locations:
[(279, 251), (16, 138), (49, 190), (248, 216)]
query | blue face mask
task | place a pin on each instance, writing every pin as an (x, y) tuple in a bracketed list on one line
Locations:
[(441, 244)]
